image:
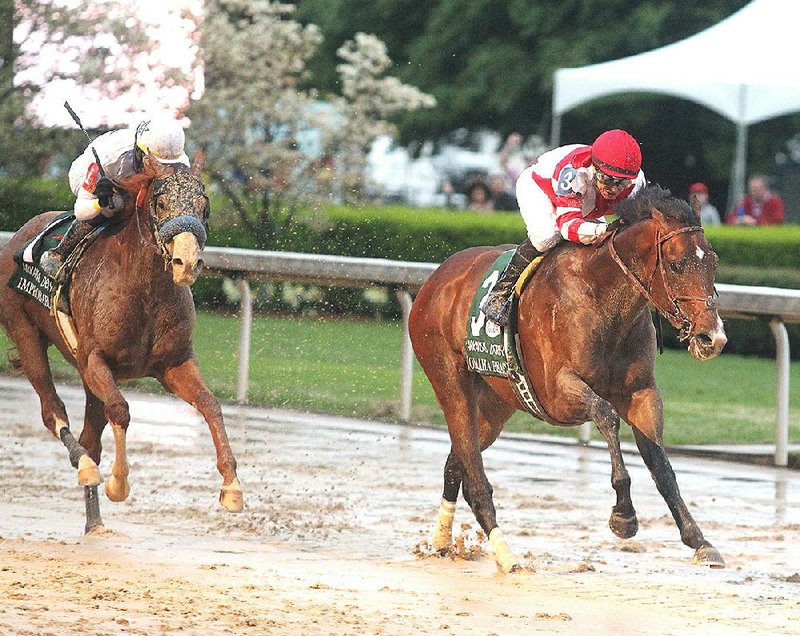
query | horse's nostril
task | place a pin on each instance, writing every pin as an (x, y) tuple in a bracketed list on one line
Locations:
[(704, 339), (200, 265), (177, 261)]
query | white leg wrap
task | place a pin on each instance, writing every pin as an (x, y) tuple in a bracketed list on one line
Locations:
[(443, 535), (502, 554)]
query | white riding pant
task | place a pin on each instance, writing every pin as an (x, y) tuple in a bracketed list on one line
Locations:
[(538, 212)]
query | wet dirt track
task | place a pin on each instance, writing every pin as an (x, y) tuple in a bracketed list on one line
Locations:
[(333, 510)]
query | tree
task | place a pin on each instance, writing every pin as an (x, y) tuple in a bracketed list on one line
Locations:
[(271, 145), (490, 65)]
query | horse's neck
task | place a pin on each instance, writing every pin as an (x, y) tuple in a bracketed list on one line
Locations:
[(614, 282), (142, 258)]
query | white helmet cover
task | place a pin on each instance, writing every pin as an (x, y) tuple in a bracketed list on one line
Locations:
[(163, 137)]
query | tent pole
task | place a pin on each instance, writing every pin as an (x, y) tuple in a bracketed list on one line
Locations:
[(555, 130), (736, 187)]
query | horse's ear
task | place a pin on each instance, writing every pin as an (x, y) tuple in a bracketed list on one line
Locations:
[(694, 203), (197, 162), (658, 216)]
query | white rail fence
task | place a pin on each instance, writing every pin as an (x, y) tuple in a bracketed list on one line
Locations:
[(776, 306)]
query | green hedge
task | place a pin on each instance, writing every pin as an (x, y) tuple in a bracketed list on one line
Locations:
[(748, 256)]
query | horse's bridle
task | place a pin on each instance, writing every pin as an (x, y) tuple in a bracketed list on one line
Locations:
[(673, 312), (140, 201), (153, 220)]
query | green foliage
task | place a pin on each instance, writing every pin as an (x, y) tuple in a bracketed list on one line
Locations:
[(23, 198)]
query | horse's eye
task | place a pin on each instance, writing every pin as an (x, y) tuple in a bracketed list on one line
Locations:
[(676, 267)]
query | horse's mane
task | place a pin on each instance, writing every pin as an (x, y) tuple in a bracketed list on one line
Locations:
[(150, 171), (652, 196)]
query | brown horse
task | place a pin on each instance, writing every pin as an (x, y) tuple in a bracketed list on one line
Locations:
[(589, 344), (134, 317)]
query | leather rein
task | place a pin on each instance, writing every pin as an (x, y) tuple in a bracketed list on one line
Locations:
[(672, 312)]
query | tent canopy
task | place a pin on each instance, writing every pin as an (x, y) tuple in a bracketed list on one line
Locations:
[(742, 68)]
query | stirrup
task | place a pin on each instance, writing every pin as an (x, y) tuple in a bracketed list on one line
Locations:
[(498, 316)]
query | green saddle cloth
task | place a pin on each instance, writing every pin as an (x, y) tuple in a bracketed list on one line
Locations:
[(483, 346)]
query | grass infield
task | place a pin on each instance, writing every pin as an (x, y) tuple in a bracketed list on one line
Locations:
[(352, 368)]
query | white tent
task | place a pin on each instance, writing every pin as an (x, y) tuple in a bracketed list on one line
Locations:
[(743, 68)]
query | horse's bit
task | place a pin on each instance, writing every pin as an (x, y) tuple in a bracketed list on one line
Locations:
[(673, 312)]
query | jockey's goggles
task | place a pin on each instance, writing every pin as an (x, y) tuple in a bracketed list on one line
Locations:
[(608, 182)]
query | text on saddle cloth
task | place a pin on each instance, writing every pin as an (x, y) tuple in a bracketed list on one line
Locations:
[(30, 280), (483, 346)]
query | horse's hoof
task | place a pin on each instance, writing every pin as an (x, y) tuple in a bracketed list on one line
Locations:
[(709, 556), (88, 472), (95, 530), (231, 497), (117, 490), (623, 527)]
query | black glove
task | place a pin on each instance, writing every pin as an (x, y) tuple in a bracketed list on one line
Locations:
[(104, 191)]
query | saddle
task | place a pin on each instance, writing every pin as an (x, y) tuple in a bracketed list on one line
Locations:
[(493, 350), (30, 280)]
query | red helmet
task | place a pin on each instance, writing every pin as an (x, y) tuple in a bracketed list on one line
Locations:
[(617, 154)]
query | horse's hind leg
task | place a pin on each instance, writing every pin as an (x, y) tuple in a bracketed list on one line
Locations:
[(622, 522), (187, 383), (473, 424), (32, 347), (443, 534)]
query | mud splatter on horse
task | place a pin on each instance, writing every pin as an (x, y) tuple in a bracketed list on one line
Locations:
[(589, 344), (134, 316)]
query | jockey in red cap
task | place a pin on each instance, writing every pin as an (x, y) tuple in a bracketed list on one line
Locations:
[(564, 196)]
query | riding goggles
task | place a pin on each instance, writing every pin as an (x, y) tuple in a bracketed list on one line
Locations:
[(611, 183)]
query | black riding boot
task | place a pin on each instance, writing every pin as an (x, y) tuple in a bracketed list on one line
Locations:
[(52, 260), (498, 302)]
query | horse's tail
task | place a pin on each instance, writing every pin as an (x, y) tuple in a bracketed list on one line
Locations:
[(14, 360)]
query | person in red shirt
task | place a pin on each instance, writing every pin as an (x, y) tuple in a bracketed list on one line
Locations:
[(759, 206), (564, 196)]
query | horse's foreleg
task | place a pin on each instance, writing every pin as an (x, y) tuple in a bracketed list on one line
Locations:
[(94, 421), (187, 383), (32, 348), (644, 406), (622, 522), (99, 380)]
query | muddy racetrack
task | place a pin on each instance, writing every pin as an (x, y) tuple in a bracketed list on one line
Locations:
[(333, 511)]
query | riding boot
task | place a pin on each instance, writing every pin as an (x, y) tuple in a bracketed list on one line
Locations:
[(52, 260), (498, 302)]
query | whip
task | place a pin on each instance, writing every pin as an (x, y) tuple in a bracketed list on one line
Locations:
[(77, 120)]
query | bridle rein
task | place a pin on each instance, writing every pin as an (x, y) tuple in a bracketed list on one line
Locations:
[(672, 312)]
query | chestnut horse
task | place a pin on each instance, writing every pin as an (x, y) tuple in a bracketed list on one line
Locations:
[(589, 344), (134, 316)]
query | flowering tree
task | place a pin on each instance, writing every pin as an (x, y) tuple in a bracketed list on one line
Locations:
[(272, 146), (109, 58)]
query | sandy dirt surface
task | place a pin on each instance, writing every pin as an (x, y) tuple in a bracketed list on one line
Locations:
[(333, 511)]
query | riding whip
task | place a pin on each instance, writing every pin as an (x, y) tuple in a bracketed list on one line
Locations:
[(77, 120)]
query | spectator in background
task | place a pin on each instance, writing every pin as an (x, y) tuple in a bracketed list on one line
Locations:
[(502, 197), (479, 197), (759, 206), (698, 199), (515, 155)]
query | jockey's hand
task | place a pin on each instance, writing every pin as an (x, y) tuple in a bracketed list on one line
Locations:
[(104, 191), (599, 230)]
